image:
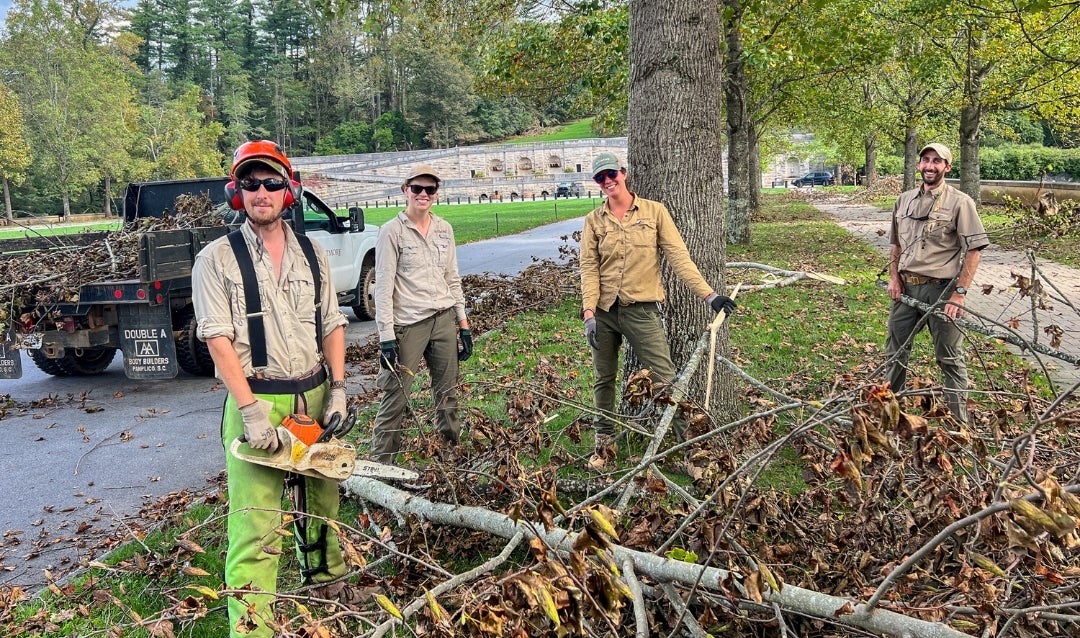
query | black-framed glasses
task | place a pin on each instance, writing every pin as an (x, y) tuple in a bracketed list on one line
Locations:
[(603, 176), (417, 189), (271, 184)]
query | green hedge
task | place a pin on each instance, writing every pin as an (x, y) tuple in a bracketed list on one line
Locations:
[(1027, 163)]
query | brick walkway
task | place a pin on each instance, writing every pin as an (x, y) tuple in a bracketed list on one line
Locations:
[(1004, 302)]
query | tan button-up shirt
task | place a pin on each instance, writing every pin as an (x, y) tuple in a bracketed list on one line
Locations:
[(288, 303), (621, 259), (934, 229), (415, 276)]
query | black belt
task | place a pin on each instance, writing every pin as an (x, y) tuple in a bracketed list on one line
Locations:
[(288, 386)]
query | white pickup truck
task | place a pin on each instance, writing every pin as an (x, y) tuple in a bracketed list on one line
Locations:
[(151, 318)]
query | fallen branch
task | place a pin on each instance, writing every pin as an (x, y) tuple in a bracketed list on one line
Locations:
[(823, 606), (789, 276)]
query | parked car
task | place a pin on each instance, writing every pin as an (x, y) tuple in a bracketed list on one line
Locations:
[(818, 178), (568, 190)]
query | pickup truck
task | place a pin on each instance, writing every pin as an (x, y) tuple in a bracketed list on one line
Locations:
[(151, 319)]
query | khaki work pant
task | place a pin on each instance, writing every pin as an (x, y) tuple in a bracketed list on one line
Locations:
[(642, 327), (906, 322), (435, 340)]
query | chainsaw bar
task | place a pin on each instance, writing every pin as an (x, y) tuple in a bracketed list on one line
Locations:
[(371, 469)]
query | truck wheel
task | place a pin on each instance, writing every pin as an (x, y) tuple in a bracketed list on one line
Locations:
[(47, 365), (365, 293), (86, 361), (75, 363), (192, 354)]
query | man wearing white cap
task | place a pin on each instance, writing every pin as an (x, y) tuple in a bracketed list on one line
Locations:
[(419, 312), (936, 240)]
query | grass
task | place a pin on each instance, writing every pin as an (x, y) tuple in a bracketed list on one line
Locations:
[(54, 229), (474, 222), (809, 340), (580, 129)]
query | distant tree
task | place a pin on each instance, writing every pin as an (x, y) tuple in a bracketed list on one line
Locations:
[(177, 141), (14, 150)]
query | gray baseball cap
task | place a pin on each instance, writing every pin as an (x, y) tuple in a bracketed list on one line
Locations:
[(604, 162)]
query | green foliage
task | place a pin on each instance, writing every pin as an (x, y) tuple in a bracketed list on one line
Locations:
[(347, 138), (14, 150), (890, 165), (1028, 162)]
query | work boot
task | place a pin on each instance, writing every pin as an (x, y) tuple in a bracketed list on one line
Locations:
[(605, 449)]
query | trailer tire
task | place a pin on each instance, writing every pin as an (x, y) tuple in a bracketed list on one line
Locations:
[(365, 292), (192, 354), (80, 362)]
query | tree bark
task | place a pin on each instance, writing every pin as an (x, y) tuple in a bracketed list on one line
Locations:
[(830, 608), (9, 213), (676, 154), (970, 123), (754, 187), (911, 156), (735, 88), (870, 167)]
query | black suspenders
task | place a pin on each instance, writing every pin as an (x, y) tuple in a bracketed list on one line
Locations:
[(253, 303)]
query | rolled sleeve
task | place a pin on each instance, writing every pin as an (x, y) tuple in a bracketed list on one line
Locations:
[(213, 308), (386, 264)]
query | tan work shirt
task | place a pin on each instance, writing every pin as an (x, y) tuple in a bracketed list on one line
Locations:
[(288, 303), (934, 229), (415, 276), (620, 260)]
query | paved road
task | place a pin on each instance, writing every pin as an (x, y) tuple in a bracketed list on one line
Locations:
[(99, 448), (1003, 303)]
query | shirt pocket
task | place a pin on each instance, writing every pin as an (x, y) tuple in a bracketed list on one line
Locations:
[(239, 303), (642, 233), (442, 248), (942, 223), (410, 257), (301, 294)]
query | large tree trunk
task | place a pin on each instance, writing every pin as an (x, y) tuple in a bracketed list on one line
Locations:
[(676, 154), (970, 122), (736, 91), (911, 156)]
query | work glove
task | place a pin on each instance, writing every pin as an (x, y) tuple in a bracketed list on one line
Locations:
[(258, 431), (720, 302), (335, 404), (466, 345), (388, 358), (590, 332)]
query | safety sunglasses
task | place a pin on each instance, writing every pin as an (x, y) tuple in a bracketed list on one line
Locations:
[(603, 176), (417, 189), (272, 184)]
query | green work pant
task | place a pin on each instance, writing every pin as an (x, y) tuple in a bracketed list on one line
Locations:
[(255, 512), (904, 324), (642, 327), (435, 340)]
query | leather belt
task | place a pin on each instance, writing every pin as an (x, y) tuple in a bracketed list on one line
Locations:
[(288, 386), (918, 280)]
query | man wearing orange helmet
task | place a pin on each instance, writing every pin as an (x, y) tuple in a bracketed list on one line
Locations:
[(283, 356)]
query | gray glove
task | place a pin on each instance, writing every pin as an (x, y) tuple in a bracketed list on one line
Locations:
[(590, 332), (258, 431), (335, 404)]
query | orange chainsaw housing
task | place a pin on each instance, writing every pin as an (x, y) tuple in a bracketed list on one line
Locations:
[(302, 427)]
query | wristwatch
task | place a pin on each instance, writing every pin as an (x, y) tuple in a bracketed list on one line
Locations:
[(337, 385), (960, 290)]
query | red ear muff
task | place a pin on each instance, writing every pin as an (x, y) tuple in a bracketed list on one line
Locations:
[(232, 194), (292, 194)]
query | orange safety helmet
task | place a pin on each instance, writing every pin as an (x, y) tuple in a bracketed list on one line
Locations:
[(265, 152)]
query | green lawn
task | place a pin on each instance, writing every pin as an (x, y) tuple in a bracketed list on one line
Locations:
[(18, 232), (473, 222), (580, 129)]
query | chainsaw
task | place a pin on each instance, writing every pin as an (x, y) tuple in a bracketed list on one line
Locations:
[(305, 448)]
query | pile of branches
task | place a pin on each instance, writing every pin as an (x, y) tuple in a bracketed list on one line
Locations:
[(55, 271), (883, 186), (492, 300)]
